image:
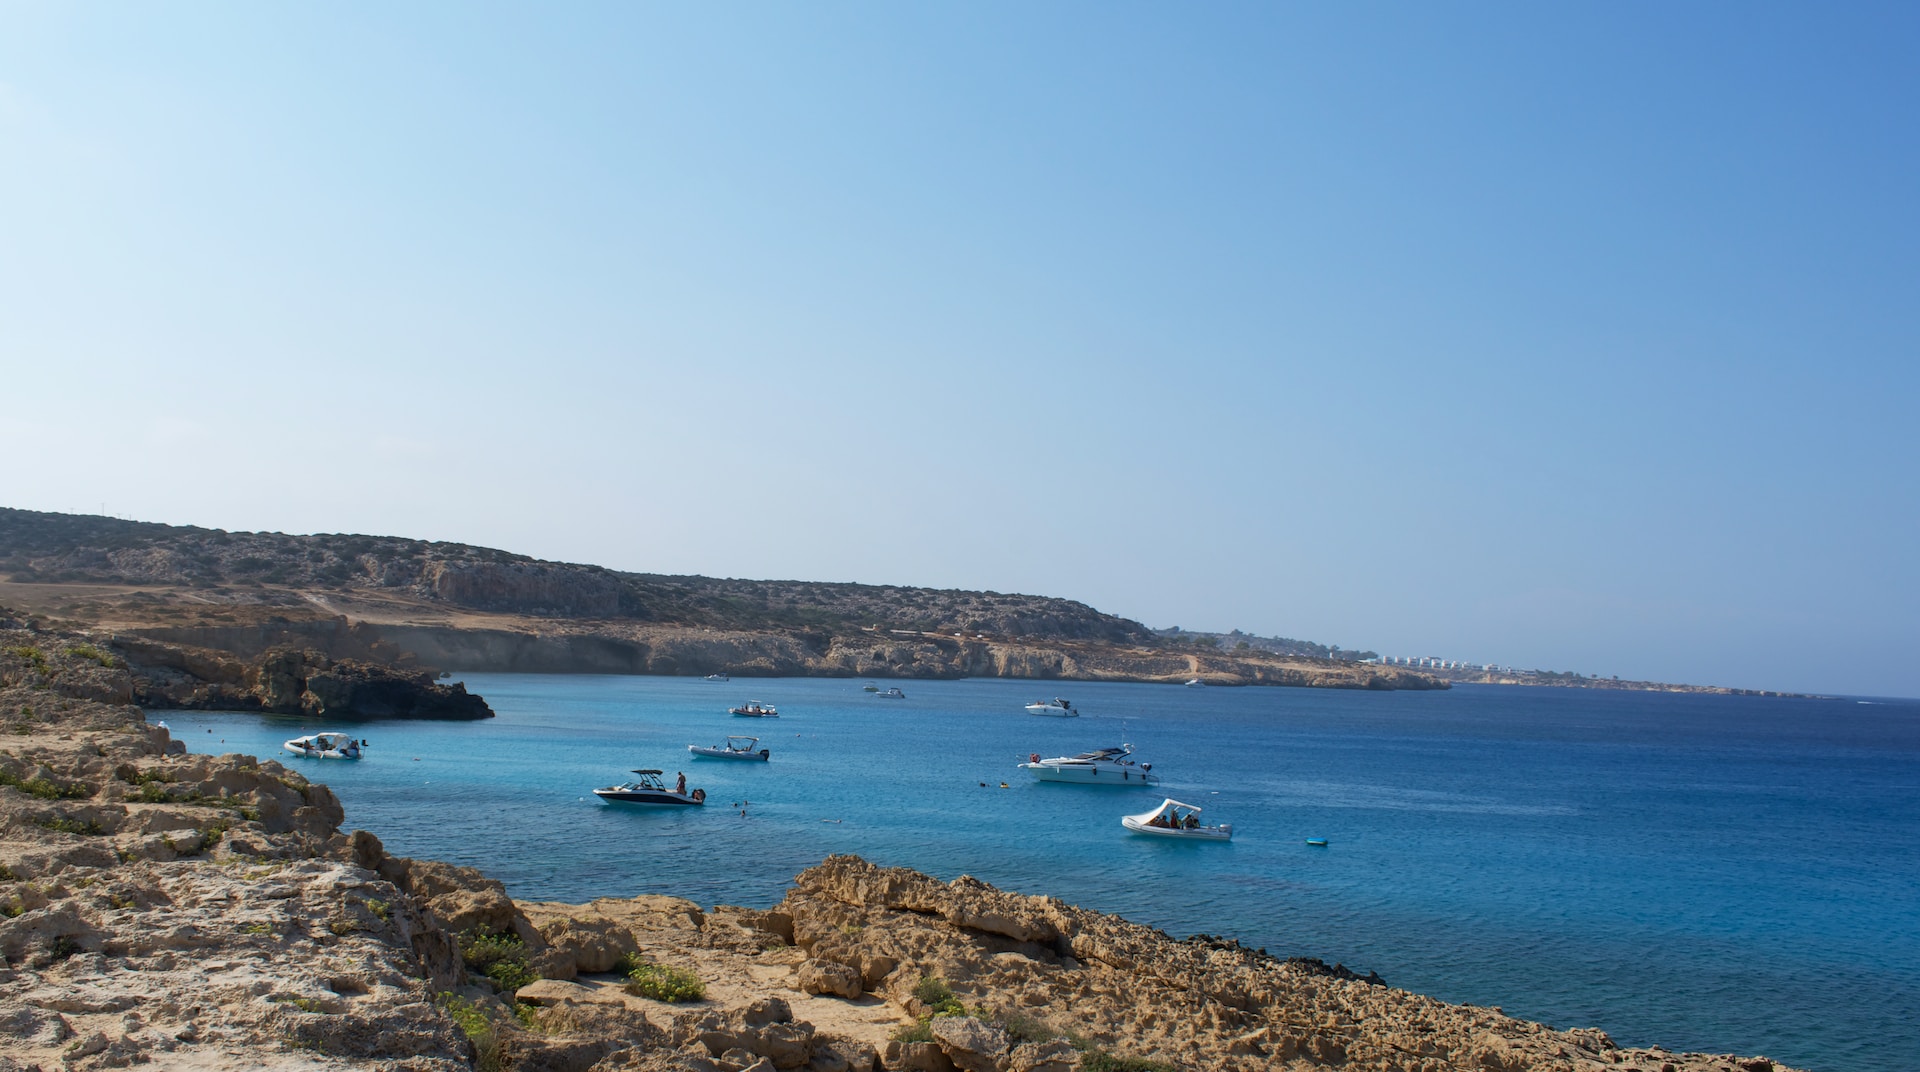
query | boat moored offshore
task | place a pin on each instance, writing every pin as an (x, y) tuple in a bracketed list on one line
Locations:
[(649, 788), (734, 748), (1176, 820), (1102, 766), (1056, 707), (325, 746), (754, 709)]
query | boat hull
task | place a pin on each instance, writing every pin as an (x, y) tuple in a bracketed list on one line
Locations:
[(727, 753), (1091, 775), (648, 796), (1223, 832)]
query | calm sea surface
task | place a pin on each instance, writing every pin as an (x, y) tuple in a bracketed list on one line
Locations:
[(1702, 872)]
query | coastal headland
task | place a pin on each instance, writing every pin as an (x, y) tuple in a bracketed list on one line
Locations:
[(411, 604), (173, 911)]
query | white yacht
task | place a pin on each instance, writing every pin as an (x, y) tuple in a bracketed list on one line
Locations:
[(1196, 683), (1170, 820), (325, 746), (721, 676), (891, 694), (735, 748), (1105, 766), (1056, 707)]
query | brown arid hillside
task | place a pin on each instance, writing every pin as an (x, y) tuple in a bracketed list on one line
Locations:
[(171, 911), (459, 607)]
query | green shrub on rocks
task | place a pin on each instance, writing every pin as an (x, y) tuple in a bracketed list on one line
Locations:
[(147, 777), (1102, 1061), (32, 655), (500, 957), (938, 996), (92, 654), (918, 1031), (1023, 1028), (479, 1030), (663, 983), (529, 1017), (46, 790)]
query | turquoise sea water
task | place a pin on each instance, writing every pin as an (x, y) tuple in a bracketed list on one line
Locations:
[(1702, 872)]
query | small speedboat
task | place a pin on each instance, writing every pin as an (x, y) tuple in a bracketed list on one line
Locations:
[(735, 748), (325, 746), (1317, 842), (1196, 683), (869, 687), (754, 709), (1056, 707), (892, 694), (1176, 820), (722, 676), (1104, 766), (648, 788)]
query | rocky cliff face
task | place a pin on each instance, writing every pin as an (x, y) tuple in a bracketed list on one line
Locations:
[(282, 680), (617, 648), (206, 912)]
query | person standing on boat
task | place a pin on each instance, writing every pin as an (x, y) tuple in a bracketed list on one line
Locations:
[(680, 784)]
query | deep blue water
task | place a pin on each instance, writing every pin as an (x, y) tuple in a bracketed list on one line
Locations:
[(1702, 872)]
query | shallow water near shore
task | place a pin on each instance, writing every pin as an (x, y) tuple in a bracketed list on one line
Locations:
[(1701, 872)]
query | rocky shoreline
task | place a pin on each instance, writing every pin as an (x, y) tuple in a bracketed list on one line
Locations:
[(180, 911), (283, 679)]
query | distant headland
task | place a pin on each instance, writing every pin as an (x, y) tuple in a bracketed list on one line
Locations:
[(196, 595)]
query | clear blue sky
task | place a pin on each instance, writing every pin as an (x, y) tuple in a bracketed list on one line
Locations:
[(1580, 337)]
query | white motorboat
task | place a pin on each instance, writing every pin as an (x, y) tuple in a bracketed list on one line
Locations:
[(891, 694), (325, 746), (735, 748), (1196, 683), (1104, 766), (722, 676), (1176, 820), (869, 687), (1056, 707), (649, 788), (754, 709)]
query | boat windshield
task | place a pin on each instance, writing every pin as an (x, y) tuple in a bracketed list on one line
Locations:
[(742, 744), (1110, 754)]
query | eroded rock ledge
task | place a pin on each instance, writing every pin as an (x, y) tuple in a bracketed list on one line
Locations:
[(206, 912), (288, 680)]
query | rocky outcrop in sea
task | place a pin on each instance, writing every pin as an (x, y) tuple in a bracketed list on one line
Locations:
[(175, 911), (283, 680)]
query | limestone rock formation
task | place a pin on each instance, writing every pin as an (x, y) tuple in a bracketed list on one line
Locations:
[(285, 680)]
